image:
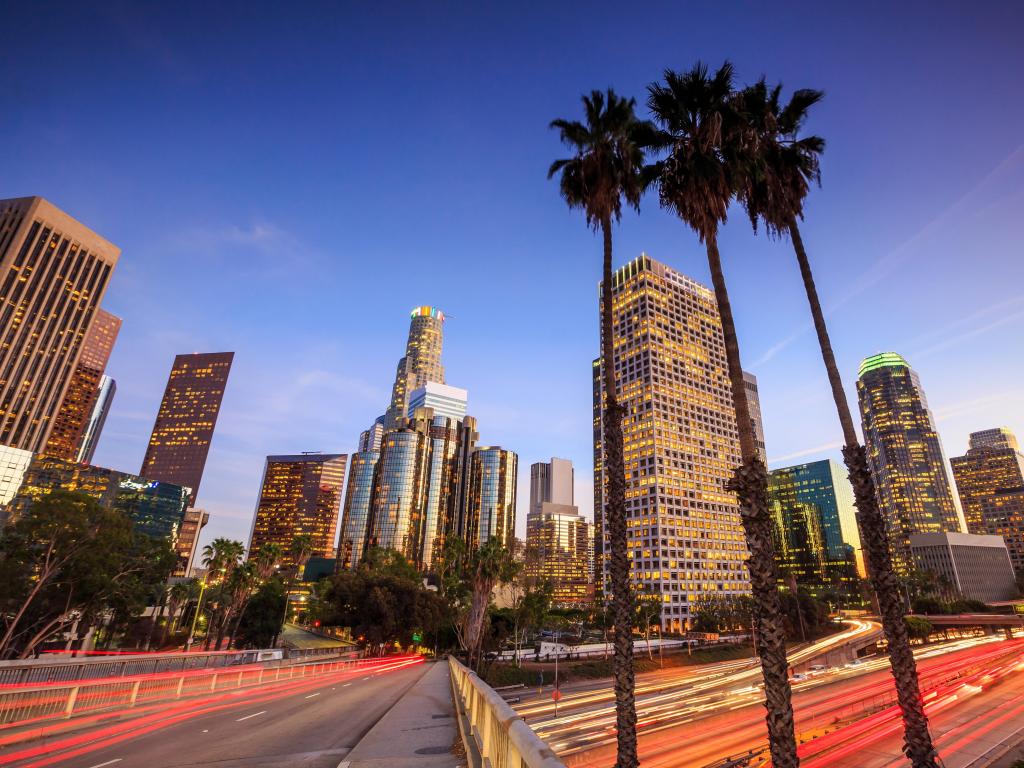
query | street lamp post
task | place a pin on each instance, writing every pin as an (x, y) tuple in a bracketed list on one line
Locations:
[(199, 607)]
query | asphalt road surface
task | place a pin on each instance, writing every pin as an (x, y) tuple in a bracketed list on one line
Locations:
[(312, 725)]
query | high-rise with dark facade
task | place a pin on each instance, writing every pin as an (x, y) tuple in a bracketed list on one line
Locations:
[(421, 362), (300, 495), (184, 424), (76, 410), (681, 445), (815, 526), (990, 481), (53, 274), (905, 454)]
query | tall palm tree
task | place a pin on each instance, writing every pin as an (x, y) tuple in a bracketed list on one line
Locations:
[(697, 182), (607, 168), (267, 560), (779, 167)]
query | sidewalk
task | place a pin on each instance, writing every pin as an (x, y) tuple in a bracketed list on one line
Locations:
[(419, 731)]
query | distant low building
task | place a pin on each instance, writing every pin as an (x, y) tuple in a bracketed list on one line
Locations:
[(977, 566), (157, 509)]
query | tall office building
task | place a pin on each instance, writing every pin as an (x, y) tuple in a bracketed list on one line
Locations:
[(105, 392), (369, 439), (72, 420), (977, 565), (558, 538), (53, 274), (904, 453), (990, 481), (399, 489), (421, 363), (441, 399), (14, 463), (815, 526), (184, 424), (356, 513), (492, 498), (188, 539), (681, 445), (300, 494), (156, 508), (754, 404)]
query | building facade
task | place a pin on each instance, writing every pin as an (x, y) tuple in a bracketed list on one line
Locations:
[(680, 439), (300, 495), (754, 404), (105, 392), (990, 482), (188, 540), (157, 509), (53, 274), (72, 420), (356, 514), (13, 465), (420, 364), (442, 399), (905, 454), (492, 502), (180, 441), (978, 567), (559, 545), (815, 526)]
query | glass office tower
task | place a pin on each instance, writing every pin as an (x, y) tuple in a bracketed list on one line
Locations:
[(356, 514), (905, 454), (421, 363), (492, 509)]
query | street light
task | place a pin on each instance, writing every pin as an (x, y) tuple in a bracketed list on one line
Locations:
[(199, 607)]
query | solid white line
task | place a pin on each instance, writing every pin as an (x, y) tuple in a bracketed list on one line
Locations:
[(109, 762), (254, 714), (346, 685), (344, 764), (312, 695)]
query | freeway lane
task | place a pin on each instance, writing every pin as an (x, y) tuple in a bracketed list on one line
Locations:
[(313, 723)]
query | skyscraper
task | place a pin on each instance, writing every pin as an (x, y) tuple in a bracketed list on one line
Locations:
[(442, 399), (492, 502), (300, 495), (904, 453), (53, 274), (369, 439), (754, 404), (97, 419), (558, 538), (72, 420), (421, 363), (815, 525), (399, 489), (990, 481), (680, 441), (184, 424), (356, 513), (188, 539)]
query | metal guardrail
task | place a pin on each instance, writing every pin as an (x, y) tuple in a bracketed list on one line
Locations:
[(493, 733), (33, 703), (55, 670)]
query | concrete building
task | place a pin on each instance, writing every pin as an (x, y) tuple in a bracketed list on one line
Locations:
[(977, 566), (815, 526), (442, 399), (13, 465), (76, 409), (300, 495), (905, 454), (53, 274), (188, 540), (990, 481), (559, 544), (180, 441), (420, 364), (680, 439)]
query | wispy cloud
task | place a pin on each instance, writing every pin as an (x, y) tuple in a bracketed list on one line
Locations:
[(1003, 316), (806, 452), (1003, 400)]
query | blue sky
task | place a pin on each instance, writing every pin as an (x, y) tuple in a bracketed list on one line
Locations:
[(287, 181)]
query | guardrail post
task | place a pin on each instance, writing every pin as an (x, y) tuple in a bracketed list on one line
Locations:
[(239, 679), (70, 706), (213, 682), (135, 693), (181, 683)]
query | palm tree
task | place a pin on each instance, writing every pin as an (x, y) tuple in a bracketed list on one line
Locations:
[(267, 560), (697, 182), (177, 596), (779, 167), (489, 565), (221, 556), (608, 168)]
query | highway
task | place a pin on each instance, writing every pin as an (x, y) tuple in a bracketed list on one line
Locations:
[(311, 723), (841, 716)]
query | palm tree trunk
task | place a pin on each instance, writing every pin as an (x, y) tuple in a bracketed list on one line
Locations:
[(750, 483), (874, 541), (615, 516)]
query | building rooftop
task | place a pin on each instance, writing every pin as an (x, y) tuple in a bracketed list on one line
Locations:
[(427, 311), (882, 360)]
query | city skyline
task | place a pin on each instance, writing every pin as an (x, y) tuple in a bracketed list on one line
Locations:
[(316, 373)]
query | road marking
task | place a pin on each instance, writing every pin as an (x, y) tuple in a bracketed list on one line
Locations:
[(109, 762), (344, 764), (366, 678), (254, 714), (206, 730), (346, 685), (312, 695)]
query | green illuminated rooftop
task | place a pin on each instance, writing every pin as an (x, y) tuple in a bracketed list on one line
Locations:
[(882, 360)]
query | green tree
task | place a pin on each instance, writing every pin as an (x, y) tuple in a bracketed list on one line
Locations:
[(489, 565), (918, 628), (261, 621), (697, 181), (607, 169), (779, 165), (648, 612)]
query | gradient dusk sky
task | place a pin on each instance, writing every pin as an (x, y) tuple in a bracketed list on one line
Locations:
[(288, 180)]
